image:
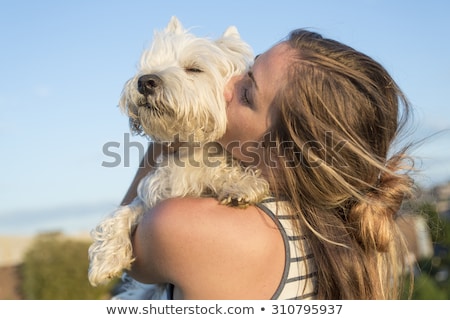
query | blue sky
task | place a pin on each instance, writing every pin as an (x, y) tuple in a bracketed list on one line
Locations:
[(63, 65)]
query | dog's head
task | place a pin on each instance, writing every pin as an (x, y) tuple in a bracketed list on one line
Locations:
[(178, 91)]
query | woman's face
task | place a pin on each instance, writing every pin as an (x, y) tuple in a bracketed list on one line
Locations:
[(249, 98)]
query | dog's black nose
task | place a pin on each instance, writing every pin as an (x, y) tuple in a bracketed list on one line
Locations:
[(147, 84)]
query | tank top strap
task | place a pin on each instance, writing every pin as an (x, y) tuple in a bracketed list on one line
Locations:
[(299, 279)]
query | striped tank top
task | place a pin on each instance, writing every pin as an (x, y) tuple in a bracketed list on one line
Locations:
[(299, 280)]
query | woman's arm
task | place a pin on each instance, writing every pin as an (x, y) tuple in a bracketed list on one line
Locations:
[(147, 164), (208, 251)]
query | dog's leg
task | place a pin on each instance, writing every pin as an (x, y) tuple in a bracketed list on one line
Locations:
[(112, 252), (241, 187)]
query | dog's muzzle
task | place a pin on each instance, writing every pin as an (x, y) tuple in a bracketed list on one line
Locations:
[(148, 84)]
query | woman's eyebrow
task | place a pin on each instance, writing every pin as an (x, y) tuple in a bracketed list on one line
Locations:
[(250, 73), (252, 77)]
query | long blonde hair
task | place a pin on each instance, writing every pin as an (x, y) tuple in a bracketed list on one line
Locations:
[(341, 112)]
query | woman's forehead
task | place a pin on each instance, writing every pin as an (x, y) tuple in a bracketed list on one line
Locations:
[(272, 63)]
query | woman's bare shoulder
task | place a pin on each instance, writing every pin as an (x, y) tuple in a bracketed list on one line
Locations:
[(196, 243), (192, 209), (203, 222), (207, 219)]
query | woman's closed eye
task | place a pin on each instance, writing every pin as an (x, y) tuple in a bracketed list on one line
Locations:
[(245, 97), (246, 91)]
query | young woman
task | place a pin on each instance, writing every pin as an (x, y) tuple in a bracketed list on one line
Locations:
[(320, 119)]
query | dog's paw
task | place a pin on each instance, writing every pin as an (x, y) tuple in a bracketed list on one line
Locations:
[(233, 201), (242, 189)]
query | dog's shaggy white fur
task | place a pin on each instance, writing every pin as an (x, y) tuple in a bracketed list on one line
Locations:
[(178, 96)]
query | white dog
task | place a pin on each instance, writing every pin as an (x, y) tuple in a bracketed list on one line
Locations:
[(178, 96)]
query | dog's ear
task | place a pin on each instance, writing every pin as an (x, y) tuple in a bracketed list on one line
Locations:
[(236, 49), (231, 31), (174, 26)]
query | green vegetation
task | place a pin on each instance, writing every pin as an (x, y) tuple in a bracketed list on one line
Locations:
[(432, 279), (55, 268)]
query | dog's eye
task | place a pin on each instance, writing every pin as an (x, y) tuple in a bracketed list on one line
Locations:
[(193, 70)]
